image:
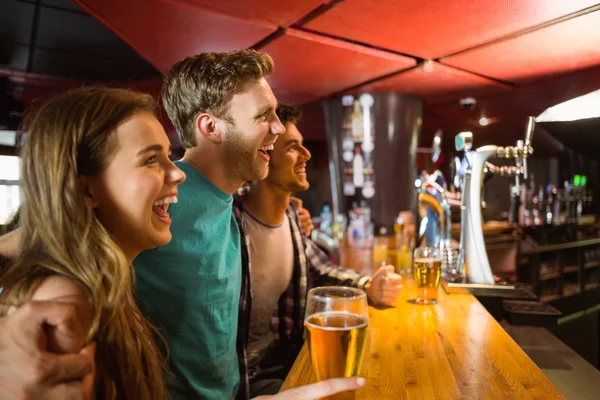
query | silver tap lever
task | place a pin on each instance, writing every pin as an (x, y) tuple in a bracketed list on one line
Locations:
[(529, 133), (527, 149)]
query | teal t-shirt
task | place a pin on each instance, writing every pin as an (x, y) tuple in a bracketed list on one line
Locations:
[(190, 290)]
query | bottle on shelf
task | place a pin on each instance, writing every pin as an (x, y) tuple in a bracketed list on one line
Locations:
[(357, 123), (357, 167), (326, 221), (355, 223), (348, 185)]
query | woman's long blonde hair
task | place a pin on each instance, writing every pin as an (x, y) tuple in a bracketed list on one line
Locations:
[(70, 136)]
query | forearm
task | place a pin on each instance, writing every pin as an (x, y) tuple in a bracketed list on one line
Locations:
[(324, 273)]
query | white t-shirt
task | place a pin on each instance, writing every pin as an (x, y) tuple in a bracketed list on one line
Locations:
[(272, 262)]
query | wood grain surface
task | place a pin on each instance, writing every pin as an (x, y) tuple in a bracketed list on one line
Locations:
[(451, 350)]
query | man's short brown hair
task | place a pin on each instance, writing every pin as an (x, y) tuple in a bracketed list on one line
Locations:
[(288, 114), (206, 82)]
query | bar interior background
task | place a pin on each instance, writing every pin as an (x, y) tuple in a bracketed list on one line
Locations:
[(418, 60)]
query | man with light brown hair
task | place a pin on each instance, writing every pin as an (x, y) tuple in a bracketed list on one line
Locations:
[(224, 112)]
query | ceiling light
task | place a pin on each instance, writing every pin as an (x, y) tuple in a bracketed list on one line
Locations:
[(483, 121), (428, 66), (582, 107)]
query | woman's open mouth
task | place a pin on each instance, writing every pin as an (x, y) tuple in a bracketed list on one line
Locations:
[(159, 208)]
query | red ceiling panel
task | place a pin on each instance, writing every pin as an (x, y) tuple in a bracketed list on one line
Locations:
[(435, 28), (316, 66), (166, 32), (282, 13), (566, 46), (435, 83)]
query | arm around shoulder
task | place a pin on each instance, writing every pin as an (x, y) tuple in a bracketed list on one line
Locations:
[(65, 290)]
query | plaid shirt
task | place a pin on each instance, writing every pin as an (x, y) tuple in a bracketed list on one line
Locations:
[(311, 268)]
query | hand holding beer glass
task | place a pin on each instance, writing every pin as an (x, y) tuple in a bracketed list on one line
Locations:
[(336, 324), (427, 269)]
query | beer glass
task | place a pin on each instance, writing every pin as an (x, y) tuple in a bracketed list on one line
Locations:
[(427, 268), (380, 251), (336, 324)]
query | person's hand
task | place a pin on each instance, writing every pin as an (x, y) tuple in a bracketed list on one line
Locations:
[(317, 390), (306, 225), (27, 370), (385, 286), (89, 381)]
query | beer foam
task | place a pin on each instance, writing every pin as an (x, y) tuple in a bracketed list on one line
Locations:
[(358, 321), (427, 260)]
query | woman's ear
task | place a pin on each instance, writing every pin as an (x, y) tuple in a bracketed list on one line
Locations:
[(208, 126), (89, 191)]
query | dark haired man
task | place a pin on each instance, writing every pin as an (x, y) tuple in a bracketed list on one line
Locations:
[(285, 264)]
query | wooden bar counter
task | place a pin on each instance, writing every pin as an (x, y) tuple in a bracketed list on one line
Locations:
[(451, 350)]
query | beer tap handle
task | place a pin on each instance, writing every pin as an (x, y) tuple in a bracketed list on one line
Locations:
[(529, 132), (464, 142), (526, 146), (521, 161)]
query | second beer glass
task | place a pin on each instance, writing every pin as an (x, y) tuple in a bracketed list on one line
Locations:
[(427, 269)]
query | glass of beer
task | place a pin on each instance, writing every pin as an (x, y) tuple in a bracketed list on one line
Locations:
[(380, 252), (427, 268), (336, 324)]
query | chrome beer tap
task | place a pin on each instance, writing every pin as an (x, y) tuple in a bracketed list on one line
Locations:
[(472, 246)]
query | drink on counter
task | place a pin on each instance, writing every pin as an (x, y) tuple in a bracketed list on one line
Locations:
[(427, 269), (336, 324), (404, 257), (380, 254)]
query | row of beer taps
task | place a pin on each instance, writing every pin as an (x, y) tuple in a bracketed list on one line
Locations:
[(436, 201)]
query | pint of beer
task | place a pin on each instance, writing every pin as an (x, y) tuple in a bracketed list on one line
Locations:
[(427, 269), (336, 324)]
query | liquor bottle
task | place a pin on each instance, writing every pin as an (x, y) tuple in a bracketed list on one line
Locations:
[(347, 146), (347, 140), (367, 101), (368, 190), (357, 167), (348, 185), (357, 123)]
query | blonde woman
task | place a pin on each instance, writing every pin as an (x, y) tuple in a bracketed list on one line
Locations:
[(97, 182)]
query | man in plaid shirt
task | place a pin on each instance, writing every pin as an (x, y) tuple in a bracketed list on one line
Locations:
[(285, 264)]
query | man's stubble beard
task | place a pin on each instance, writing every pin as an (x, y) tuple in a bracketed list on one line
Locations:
[(240, 161)]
